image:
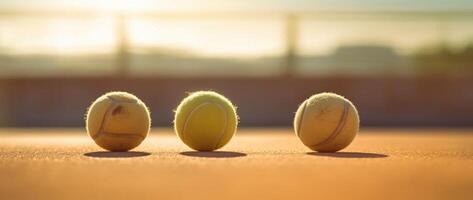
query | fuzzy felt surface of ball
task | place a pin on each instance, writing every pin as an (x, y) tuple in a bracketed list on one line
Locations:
[(326, 122), (205, 121), (118, 121)]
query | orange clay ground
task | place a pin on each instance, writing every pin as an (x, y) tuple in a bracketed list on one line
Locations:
[(257, 164)]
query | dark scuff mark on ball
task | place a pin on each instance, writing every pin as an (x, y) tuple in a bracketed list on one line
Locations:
[(117, 110)]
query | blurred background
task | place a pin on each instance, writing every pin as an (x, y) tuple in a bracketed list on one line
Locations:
[(403, 63)]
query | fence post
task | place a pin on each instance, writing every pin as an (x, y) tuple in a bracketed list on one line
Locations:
[(291, 44), (122, 47)]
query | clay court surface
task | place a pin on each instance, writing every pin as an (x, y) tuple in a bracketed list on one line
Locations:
[(257, 164)]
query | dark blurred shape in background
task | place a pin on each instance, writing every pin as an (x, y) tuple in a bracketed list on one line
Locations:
[(404, 67)]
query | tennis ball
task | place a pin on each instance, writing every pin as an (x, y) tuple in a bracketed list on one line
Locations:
[(118, 121), (326, 122), (205, 121)]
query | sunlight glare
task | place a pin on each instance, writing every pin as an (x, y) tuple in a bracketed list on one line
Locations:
[(122, 6)]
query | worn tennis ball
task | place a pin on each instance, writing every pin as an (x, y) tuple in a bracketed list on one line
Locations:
[(205, 121), (118, 121), (326, 122)]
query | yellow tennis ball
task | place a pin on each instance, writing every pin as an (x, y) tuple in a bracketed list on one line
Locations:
[(118, 121), (326, 122), (205, 121)]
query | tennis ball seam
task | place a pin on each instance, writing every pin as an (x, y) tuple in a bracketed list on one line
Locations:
[(225, 127), (301, 119), (101, 132), (189, 116), (338, 129), (194, 110)]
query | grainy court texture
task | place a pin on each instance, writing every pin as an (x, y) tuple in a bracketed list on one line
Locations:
[(256, 164)]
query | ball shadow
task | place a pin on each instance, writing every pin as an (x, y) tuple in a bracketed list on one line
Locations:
[(110, 154), (349, 155), (213, 154)]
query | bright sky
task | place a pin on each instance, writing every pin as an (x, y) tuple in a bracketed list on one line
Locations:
[(243, 4), (221, 37)]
